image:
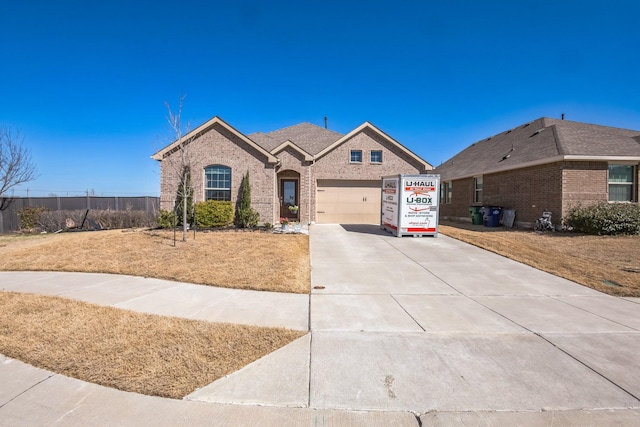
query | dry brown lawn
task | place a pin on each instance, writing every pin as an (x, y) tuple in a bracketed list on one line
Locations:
[(142, 353), (137, 352), (610, 264), (244, 260)]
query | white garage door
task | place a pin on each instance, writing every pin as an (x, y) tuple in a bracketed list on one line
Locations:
[(348, 202)]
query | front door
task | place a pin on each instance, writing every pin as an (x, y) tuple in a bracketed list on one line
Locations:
[(289, 198)]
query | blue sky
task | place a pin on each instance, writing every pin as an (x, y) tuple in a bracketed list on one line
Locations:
[(86, 82)]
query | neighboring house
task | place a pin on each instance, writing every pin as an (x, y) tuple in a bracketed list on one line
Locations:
[(547, 164), (332, 178)]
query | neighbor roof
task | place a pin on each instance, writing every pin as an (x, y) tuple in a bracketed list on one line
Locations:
[(544, 140)]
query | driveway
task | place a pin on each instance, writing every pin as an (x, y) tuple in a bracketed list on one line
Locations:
[(437, 327)]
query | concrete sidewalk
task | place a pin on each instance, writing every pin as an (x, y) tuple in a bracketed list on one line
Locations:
[(403, 330), (168, 298)]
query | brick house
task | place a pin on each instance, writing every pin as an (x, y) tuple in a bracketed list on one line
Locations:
[(332, 178), (547, 164)]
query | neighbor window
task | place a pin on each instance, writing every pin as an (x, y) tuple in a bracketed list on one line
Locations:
[(355, 156), (446, 189), (376, 156), (477, 189), (622, 183), (217, 183)]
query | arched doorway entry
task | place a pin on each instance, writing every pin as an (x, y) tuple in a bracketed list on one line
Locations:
[(289, 194)]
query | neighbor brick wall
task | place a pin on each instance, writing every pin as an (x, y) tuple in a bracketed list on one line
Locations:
[(529, 191), (554, 187), (461, 199), (219, 147), (584, 183)]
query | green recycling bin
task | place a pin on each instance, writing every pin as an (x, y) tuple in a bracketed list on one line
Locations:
[(476, 215)]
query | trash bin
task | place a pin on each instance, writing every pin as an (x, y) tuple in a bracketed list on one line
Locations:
[(476, 215), (492, 216)]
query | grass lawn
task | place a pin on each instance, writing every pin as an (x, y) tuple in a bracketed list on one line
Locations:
[(142, 353), (610, 264), (138, 352), (242, 260)]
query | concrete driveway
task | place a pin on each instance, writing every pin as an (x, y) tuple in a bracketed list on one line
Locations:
[(437, 327)]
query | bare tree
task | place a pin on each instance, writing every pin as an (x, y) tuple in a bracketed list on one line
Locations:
[(16, 166), (181, 164)]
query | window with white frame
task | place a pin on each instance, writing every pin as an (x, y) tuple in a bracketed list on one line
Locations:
[(376, 156), (355, 156), (446, 190), (622, 183), (477, 189), (217, 183)]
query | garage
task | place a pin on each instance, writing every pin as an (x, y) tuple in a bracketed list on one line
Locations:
[(348, 201)]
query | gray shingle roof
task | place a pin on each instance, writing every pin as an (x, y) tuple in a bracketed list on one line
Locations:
[(309, 137), (537, 141)]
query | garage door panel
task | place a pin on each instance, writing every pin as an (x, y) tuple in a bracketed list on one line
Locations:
[(348, 202)]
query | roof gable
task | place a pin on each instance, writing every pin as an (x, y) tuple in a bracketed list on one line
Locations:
[(216, 121), (306, 136), (369, 126), (307, 157)]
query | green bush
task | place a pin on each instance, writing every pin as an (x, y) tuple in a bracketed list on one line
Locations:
[(246, 217), (214, 213), (30, 217), (605, 218), (166, 219)]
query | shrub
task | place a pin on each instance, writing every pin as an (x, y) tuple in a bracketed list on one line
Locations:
[(51, 221), (214, 213), (166, 219), (30, 217), (605, 218), (246, 217)]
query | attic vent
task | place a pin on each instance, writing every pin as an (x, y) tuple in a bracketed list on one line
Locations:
[(509, 131), (536, 132), (526, 125)]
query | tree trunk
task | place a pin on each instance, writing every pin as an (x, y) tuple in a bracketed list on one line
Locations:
[(185, 214)]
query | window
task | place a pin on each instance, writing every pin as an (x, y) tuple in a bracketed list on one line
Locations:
[(217, 183), (376, 156), (621, 183), (477, 189), (446, 189), (355, 156)]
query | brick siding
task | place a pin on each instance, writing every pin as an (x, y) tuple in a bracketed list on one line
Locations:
[(555, 187), (213, 148)]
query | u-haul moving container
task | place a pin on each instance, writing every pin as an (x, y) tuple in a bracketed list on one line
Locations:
[(410, 205)]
